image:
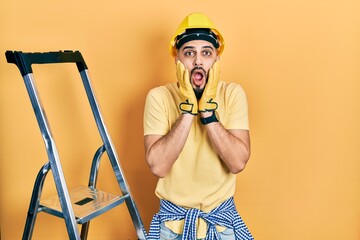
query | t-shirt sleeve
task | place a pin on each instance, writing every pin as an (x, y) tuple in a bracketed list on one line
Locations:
[(155, 112), (238, 108)]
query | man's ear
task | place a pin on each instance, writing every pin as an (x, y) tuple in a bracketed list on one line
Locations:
[(176, 59)]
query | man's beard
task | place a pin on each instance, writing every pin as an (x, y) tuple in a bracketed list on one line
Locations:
[(198, 92)]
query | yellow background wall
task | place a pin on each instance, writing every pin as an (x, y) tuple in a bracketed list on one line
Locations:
[(298, 62)]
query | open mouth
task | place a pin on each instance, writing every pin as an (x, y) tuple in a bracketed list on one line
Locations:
[(198, 76)]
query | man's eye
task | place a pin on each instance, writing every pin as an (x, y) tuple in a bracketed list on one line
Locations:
[(189, 53), (207, 53)]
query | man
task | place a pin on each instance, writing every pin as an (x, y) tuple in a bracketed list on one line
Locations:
[(196, 140)]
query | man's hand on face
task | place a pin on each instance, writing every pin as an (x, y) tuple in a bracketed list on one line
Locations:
[(189, 103), (207, 101)]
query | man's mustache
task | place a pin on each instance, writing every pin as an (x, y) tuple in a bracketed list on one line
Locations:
[(198, 68)]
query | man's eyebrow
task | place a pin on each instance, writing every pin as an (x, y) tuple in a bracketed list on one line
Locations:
[(208, 47), (192, 47), (188, 47)]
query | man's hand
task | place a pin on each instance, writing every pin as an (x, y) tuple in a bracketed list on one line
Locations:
[(188, 99), (207, 102)]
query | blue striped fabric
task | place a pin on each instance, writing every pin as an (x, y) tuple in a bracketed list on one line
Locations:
[(223, 215)]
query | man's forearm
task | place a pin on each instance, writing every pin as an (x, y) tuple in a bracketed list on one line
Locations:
[(162, 152), (233, 146)]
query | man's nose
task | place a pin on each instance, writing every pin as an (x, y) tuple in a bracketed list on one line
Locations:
[(198, 61)]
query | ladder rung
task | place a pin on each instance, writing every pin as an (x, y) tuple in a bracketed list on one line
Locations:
[(87, 203)]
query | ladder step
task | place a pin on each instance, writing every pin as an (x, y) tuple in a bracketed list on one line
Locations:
[(87, 203)]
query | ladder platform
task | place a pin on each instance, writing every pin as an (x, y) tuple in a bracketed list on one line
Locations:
[(87, 203)]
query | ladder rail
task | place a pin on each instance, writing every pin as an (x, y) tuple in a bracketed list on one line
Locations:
[(92, 183), (135, 216), (35, 201), (53, 157)]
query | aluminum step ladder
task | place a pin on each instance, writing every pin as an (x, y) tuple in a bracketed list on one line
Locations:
[(83, 203)]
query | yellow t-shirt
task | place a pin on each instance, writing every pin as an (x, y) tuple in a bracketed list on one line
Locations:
[(199, 178)]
